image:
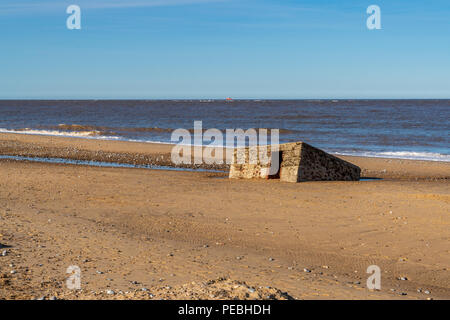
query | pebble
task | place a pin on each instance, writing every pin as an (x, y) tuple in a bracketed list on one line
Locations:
[(306, 270), (403, 278), (13, 271), (144, 289), (99, 272), (403, 294), (53, 298), (251, 290), (271, 259), (4, 253), (427, 292), (110, 292)]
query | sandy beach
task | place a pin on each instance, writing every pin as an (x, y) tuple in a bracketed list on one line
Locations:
[(152, 234)]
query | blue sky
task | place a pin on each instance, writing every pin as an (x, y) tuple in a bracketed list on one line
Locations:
[(219, 48)]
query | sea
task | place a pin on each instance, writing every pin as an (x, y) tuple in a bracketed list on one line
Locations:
[(405, 129)]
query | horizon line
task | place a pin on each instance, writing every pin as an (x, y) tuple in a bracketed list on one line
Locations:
[(198, 99)]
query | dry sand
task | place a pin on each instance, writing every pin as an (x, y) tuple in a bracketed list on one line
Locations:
[(190, 235)]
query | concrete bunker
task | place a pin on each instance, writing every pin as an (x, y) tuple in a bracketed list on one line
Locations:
[(292, 162)]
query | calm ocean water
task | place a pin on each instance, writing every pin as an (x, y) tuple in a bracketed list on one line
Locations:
[(410, 129)]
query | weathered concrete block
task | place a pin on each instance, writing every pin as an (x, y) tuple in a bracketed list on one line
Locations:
[(297, 161)]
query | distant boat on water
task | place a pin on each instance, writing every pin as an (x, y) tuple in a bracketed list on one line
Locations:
[(229, 99)]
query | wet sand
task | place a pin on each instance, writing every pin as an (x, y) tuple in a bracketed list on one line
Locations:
[(160, 154), (172, 232)]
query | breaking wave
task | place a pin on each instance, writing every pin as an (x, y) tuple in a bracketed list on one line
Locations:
[(408, 155), (76, 134), (120, 133)]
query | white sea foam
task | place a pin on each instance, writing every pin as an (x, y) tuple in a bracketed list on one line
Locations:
[(74, 134), (409, 155)]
